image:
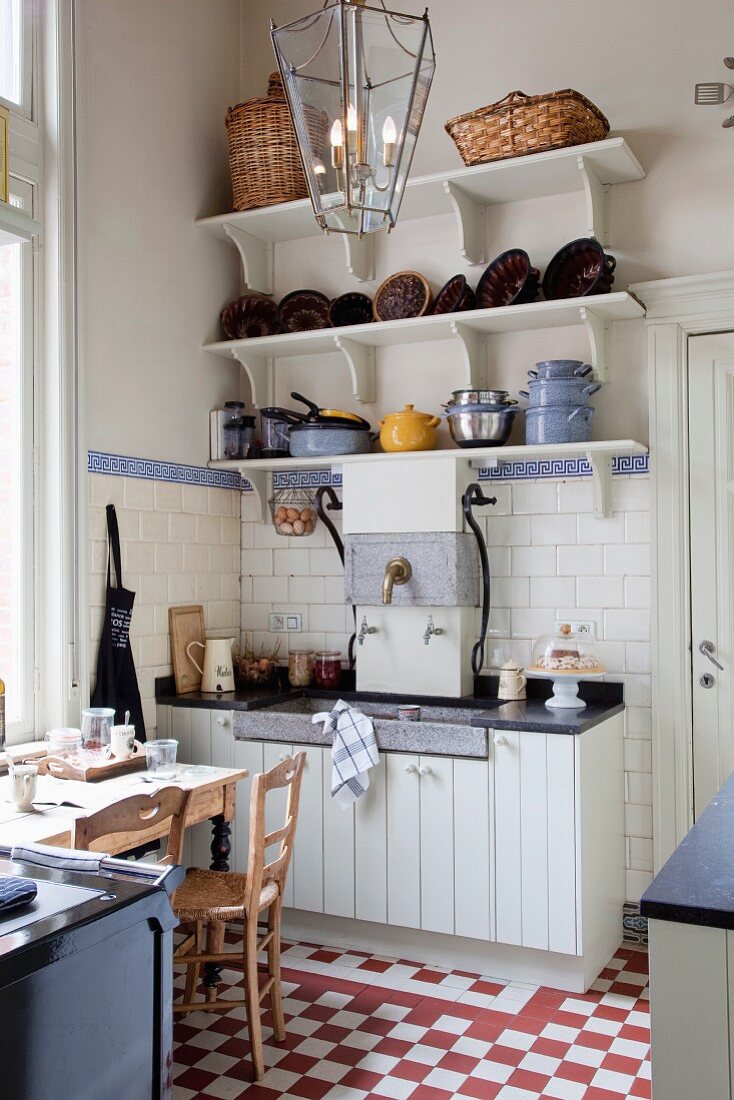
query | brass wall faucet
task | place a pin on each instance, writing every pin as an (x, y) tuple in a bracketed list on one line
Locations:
[(397, 571)]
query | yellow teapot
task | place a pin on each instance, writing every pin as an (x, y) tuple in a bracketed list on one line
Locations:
[(409, 430)]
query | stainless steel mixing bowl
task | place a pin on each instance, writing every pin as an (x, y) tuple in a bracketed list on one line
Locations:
[(481, 425)]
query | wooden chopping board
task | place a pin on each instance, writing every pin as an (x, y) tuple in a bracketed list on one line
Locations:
[(186, 625)]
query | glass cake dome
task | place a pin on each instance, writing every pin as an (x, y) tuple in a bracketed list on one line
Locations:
[(565, 657)]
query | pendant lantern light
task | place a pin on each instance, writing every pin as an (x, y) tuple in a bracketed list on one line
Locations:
[(356, 79)]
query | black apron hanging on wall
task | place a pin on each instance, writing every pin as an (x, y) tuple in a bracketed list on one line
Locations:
[(117, 684)]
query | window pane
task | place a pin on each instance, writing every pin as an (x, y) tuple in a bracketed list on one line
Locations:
[(11, 491), (10, 50)]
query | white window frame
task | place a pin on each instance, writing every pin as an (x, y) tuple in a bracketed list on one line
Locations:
[(28, 84)]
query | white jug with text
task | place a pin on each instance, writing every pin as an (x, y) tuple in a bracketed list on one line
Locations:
[(512, 682), (217, 674)]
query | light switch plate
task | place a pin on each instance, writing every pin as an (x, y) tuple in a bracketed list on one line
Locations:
[(578, 626), (285, 622)]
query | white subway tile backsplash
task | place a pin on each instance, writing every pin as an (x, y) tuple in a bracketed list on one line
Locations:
[(637, 592), (167, 496), (529, 623), (637, 755), (636, 882), (325, 563), (503, 507), (624, 625), (207, 587), (639, 788), (258, 563), (270, 589), (638, 820), (153, 526), (579, 561), (552, 592), (625, 561), (291, 561), (638, 720), (256, 616), (224, 559), (533, 561), (181, 587), (499, 561), (510, 591), (608, 591), (194, 559), (575, 496), (139, 494), (553, 530), (310, 590), (534, 497), (640, 854), (169, 557), (208, 530), (637, 527), (181, 528), (138, 557), (333, 589), (630, 493), (612, 656), (326, 618), (508, 531), (605, 531), (230, 531), (195, 499), (638, 657)]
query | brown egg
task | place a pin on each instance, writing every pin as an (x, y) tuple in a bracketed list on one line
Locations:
[(308, 527), (298, 527), (280, 515), (286, 528), (308, 514), (292, 514)]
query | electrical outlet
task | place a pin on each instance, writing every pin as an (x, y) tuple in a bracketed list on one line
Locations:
[(578, 626), (285, 622)]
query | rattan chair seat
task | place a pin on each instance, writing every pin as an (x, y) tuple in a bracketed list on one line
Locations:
[(215, 895)]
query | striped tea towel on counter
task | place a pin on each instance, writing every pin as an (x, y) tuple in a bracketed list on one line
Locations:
[(60, 859), (353, 751)]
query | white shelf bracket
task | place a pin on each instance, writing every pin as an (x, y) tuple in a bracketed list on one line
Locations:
[(360, 360), (256, 257), (601, 473), (600, 341), (470, 218), (360, 254), (597, 202), (259, 371), (473, 346), (260, 480)]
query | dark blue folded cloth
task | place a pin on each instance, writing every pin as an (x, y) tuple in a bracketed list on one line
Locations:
[(15, 892)]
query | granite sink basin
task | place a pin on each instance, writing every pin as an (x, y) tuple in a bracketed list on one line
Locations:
[(442, 730)]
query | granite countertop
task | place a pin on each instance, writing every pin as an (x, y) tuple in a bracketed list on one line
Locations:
[(696, 885), (480, 712)]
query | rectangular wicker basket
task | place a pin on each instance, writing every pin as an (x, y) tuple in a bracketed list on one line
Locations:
[(521, 124)]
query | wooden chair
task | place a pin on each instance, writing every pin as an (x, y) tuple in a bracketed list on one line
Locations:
[(125, 820), (209, 899)]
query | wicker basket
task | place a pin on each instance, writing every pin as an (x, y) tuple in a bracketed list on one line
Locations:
[(264, 160), (521, 124)]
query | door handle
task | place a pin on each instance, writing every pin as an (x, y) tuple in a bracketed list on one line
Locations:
[(707, 649)]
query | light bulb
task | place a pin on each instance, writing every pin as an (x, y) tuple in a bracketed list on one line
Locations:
[(337, 137), (351, 118), (389, 132)]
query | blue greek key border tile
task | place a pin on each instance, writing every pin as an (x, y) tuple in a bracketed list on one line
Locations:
[(154, 470), (537, 468), (124, 466)]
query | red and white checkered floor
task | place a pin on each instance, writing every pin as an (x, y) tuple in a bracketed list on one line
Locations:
[(362, 1026)]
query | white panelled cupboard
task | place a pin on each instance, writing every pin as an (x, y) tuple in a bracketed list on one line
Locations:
[(511, 864)]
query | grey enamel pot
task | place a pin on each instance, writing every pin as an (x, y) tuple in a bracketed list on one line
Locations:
[(325, 440), (561, 368), (558, 424), (559, 391)]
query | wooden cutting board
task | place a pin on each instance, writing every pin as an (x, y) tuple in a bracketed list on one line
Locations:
[(186, 625)]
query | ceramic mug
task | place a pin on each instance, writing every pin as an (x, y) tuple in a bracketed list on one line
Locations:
[(122, 740), (512, 684), (23, 783)]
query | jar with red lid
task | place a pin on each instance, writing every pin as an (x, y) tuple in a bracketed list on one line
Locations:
[(327, 668)]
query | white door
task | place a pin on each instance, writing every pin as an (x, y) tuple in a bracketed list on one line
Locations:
[(711, 436)]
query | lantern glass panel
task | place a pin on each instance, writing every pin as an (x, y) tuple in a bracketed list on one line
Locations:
[(357, 79)]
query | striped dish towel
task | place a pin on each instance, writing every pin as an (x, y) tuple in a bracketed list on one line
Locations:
[(60, 859), (353, 751)]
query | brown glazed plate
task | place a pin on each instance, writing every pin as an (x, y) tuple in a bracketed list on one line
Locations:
[(250, 316), (508, 281), (579, 268), (351, 309), (455, 296), (304, 310), (405, 294)]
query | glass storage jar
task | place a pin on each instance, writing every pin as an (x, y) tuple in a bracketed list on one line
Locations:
[(327, 668), (300, 667)]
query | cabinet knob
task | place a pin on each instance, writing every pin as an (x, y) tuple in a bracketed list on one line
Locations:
[(424, 770), (410, 769), (499, 739), (222, 721), (283, 756)]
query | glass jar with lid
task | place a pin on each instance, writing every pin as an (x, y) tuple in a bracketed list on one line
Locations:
[(328, 668), (300, 667)]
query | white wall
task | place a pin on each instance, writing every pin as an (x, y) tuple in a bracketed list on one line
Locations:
[(636, 59), (155, 80)]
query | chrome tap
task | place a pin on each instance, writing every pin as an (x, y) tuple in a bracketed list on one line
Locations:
[(431, 631), (364, 630), (397, 571)]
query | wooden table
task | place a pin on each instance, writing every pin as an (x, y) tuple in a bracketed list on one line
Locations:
[(213, 797)]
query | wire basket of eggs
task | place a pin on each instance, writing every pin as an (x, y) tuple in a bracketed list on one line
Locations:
[(293, 512)]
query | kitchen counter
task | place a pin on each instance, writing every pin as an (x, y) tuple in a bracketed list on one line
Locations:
[(696, 885)]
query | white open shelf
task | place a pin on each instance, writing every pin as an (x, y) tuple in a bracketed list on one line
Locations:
[(357, 343), (16, 227), (598, 453), (465, 192)]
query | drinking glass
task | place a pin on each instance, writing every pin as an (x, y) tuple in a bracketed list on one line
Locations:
[(160, 757), (96, 734)]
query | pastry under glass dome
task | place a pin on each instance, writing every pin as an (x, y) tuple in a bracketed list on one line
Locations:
[(565, 657)]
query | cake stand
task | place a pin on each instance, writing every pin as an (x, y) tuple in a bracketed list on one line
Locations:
[(565, 687)]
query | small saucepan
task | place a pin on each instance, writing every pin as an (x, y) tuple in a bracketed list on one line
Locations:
[(317, 415)]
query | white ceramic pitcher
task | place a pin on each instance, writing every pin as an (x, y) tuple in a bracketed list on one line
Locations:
[(217, 674), (512, 682)]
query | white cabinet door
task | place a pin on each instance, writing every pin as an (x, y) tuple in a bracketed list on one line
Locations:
[(535, 848), (273, 753), (403, 840), (473, 851), (308, 852), (338, 849), (437, 843), (370, 849)]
